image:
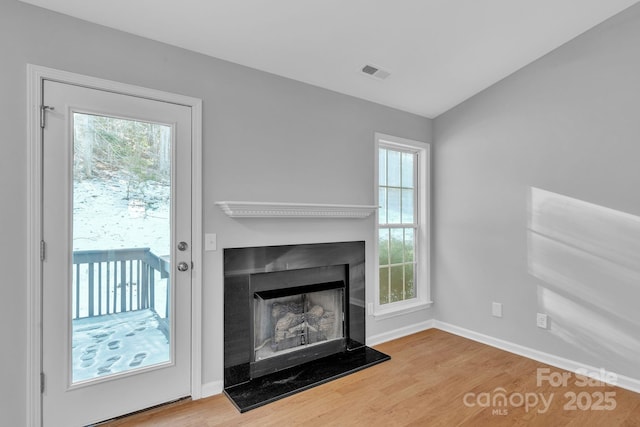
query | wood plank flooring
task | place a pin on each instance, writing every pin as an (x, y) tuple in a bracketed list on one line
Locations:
[(433, 379)]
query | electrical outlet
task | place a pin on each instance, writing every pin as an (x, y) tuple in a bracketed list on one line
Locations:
[(541, 320), (496, 309)]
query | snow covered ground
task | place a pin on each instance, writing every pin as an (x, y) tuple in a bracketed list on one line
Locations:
[(103, 217)]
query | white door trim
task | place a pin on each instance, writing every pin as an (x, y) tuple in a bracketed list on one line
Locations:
[(35, 76)]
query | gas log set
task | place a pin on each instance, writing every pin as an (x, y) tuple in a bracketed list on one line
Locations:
[(294, 325)]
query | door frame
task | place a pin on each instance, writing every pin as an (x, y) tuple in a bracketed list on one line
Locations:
[(35, 77)]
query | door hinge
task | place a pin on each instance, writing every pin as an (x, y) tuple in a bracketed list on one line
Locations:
[(43, 246), (43, 110), (41, 382)]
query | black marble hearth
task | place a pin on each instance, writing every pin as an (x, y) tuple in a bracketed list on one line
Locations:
[(269, 388), (307, 280)]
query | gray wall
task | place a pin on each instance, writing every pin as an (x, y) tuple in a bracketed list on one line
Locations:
[(536, 202), (265, 139)]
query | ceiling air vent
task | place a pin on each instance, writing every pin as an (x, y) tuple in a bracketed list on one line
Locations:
[(375, 72)]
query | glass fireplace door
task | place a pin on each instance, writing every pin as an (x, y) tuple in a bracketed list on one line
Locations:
[(287, 320)]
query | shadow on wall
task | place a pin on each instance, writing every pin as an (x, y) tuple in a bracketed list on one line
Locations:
[(588, 257)]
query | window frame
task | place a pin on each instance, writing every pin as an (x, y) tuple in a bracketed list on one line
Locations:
[(421, 225)]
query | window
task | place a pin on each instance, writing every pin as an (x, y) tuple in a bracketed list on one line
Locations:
[(403, 224)]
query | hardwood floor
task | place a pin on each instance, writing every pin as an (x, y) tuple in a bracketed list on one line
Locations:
[(433, 379)]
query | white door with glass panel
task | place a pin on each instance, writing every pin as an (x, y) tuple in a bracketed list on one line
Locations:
[(116, 289)]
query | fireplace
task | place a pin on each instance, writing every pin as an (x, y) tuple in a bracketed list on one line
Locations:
[(294, 318), (288, 321)]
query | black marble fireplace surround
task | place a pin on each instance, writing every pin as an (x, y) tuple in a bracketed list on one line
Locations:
[(272, 271)]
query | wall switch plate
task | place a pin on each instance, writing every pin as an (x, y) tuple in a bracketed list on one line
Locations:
[(210, 242), (541, 320), (496, 309)]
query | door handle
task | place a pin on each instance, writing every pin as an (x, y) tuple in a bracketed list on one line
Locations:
[(183, 266)]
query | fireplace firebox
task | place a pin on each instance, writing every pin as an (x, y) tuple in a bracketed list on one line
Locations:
[(294, 318)]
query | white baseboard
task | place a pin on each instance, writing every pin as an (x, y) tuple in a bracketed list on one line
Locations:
[(399, 333), (622, 381), (212, 388), (628, 383)]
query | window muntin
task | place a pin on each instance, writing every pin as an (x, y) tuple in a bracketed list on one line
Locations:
[(402, 227), (396, 225)]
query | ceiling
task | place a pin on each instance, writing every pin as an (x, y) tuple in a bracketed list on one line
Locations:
[(439, 52)]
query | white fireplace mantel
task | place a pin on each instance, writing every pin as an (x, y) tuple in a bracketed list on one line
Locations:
[(293, 210)]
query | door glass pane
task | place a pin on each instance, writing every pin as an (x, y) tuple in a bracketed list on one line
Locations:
[(120, 302)]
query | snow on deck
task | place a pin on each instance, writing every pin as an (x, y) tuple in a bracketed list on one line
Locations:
[(115, 343)]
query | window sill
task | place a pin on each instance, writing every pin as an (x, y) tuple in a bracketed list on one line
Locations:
[(402, 309)]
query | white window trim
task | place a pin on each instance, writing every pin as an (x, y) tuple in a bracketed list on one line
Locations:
[(423, 235)]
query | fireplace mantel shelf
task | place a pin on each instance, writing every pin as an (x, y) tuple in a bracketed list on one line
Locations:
[(293, 210)]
